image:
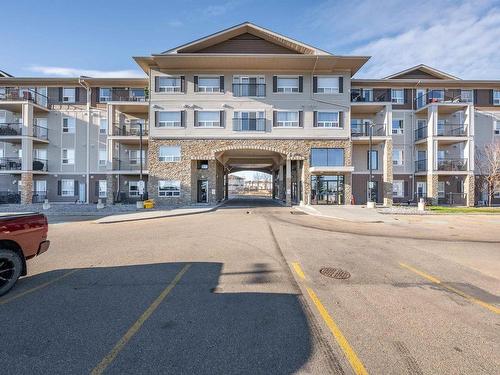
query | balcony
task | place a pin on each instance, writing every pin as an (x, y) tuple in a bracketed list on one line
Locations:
[(421, 133), (370, 96), (363, 130), (11, 129), (40, 165), (10, 164), (453, 199), (130, 130), (9, 197), (123, 95), (38, 196), (129, 164), (249, 124), (443, 96), (40, 132), (16, 94), (421, 165), (452, 164), (451, 130), (249, 89)]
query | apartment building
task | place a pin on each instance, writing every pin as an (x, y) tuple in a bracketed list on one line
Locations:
[(247, 98)]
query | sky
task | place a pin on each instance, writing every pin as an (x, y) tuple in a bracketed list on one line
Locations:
[(99, 38)]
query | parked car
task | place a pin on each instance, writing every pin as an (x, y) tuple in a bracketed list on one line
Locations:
[(22, 237)]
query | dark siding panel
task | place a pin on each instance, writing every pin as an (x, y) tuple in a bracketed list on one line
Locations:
[(221, 83), (315, 84), (483, 97), (341, 85), (275, 83), (408, 101), (301, 84), (195, 80)]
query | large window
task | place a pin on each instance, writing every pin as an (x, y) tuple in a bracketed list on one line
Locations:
[(397, 157), (208, 119), (496, 97), (467, 96), (287, 84), (249, 86), (68, 94), (169, 188), (209, 84), (67, 188), (103, 188), (103, 126), (169, 119), (327, 120), (397, 126), (373, 159), (134, 156), (328, 85), (327, 157), (170, 153), (288, 119), (68, 125), (169, 84), (441, 189), (104, 94), (102, 158), (398, 189), (133, 188), (68, 156), (398, 96)]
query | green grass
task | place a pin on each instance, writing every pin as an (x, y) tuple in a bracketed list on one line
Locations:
[(464, 210)]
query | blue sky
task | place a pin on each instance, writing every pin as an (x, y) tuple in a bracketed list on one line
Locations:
[(98, 38)]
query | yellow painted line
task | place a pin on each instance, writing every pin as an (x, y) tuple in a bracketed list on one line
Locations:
[(492, 308), (99, 369), (353, 359), (298, 270), (7, 300)]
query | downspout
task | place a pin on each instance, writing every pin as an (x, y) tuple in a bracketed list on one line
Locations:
[(89, 97), (414, 184)]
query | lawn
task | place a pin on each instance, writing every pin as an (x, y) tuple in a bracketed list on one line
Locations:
[(464, 210)]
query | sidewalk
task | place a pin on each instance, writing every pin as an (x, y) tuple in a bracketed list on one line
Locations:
[(358, 214)]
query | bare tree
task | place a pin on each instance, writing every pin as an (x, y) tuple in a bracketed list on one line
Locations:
[(488, 165)]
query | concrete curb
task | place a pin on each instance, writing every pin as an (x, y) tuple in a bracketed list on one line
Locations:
[(318, 214)]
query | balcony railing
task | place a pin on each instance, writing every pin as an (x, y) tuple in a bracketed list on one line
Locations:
[(11, 129), (123, 95), (443, 96), (453, 199), (130, 129), (451, 130), (15, 94), (39, 196), (452, 164), (10, 164), (40, 165), (421, 165), (368, 96), (249, 124), (421, 133), (40, 132), (9, 197), (249, 89), (363, 130), (129, 164)]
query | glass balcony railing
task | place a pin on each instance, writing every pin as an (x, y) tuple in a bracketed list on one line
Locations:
[(249, 89), (421, 133), (39, 196), (40, 132), (130, 129), (126, 94), (370, 95), (40, 165), (443, 96), (451, 130), (452, 164), (129, 164), (11, 129), (15, 94), (421, 165), (363, 130), (249, 124), (10, 164)]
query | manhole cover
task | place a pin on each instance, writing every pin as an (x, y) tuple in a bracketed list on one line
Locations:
[(334, 273)]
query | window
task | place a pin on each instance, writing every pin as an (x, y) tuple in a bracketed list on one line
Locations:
[(169, 84), (170, 153), (441, 191), (209, 84), (68, 125), (397, 126), (398, 189), (103, 188), (133, 188), (436, 96), (208, 119), (3, 115), (103, 126), (327, 120), (137, 95), (134, 156), (104, 94), (102, 158), (496, 190), (496, 127), (398, 96), (496, 97), (68, 156), (169, 188), (328, 85), (202, 164), (249, 86), (67, 188), (374, 159), (68, 94), (327, 157), (397, 157), (169, 119), (466, 96), (287, 84), (287, 119)]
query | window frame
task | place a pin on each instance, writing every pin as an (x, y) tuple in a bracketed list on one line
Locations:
[(68, 129), (396, 99), (287, 89), (103, 193), (175, 89), (102, 162), (496, 127), (105, 98), (284, 123), (400, 183), (496, 97), (133, 192), (318, 122), (441, 192), (374, 152), (67, 192), (313, 162), (327, 89), (198, 122), (209, 89), (101, 129), (172, 193), (69, 160), (169, 158), (399, 130), (73, 97), (401, 159), (168, 124)]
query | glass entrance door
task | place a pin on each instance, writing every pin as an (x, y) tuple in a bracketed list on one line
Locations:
[(327, 189), (202, 191)]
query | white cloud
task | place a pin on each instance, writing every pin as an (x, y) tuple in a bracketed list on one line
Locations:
[(175, 23), (76, 72)]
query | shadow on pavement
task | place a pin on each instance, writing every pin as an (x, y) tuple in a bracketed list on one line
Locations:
[(70, 325)]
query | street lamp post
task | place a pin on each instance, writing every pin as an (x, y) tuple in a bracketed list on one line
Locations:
[(370, 166)]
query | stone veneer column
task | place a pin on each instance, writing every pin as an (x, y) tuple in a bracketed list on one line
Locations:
[(469, 189), (348, 188), (288, 182), (432, 187), (26, 187), (280, 183), (387, 173), (111, 182)]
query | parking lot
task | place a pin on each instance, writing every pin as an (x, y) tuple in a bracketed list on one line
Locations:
[(239, 290)]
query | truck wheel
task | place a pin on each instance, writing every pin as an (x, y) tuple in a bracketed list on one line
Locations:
[(10, 269)]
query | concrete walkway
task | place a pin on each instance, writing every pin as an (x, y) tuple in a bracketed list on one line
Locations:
[(358, 214)]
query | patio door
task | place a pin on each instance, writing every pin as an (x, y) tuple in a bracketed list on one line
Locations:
[(421, 189)]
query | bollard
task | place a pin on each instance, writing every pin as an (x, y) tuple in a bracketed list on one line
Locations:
[(100, 205), (370, 204), (421, 204), (46, 204)]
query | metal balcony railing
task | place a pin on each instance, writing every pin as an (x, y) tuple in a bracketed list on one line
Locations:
[(363, 130), (40, 132), (249, 124), (421, 133), (40, 165), (452, 164), (451, 130), (129, 164), (421, 165), (14, 94), (368, 96), (10, 164), (453, 199), (249, 89), (443, 96), (10, 197), (38, 196), (130, 129), (11, 129), (126, 94)]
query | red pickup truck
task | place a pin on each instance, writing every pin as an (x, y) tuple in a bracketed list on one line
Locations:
[(22, 237)]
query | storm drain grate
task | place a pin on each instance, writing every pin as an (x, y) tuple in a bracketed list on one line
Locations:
[(335, 273)]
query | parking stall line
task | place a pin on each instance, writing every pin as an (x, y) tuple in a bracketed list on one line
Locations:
[(436, 281), (352, 357), (110, 357), (7, 300)]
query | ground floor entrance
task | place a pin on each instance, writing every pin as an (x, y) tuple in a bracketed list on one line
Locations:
[(327, 189), (202, 191)]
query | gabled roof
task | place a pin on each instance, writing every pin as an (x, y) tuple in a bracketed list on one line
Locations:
[(246, 31), (421, 71), (4, 74)]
